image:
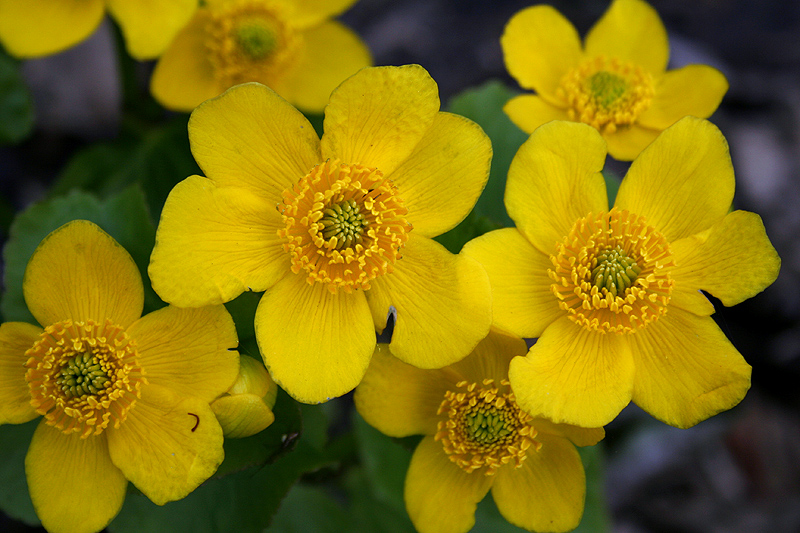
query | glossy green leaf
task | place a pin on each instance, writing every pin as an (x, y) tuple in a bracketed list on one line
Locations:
[(16, 104), (14, 498)]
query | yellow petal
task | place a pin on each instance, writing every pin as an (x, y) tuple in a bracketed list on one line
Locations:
[(626, 143), (250, 137), (213, 243), (522, 301), (686, 369), (574, 376), (377, 117), (683, 182), (330, 54), (184, 77), (242, 415), (444, 176), (694, 90), (529, 111), (37, 28), (15, 397), (440, 496), (554, 180), (631, 31), (490, 358), (190, 351), (734, 260), (168, 445), (691, 300), (306, 13), (79, 272), (74, 486), (315, 344), (399, 399), (547, 492), (149, 25), (577, 435), (442, 301), (539, 47)]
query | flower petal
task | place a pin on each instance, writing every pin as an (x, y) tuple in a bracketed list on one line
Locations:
[(79, 272), (168, 445), (331, 53), (574, 376), (554, 180), (734, 260), (539, 46), (440, 496), (399, 399), (547, 492), (42, 27), (686, 369), (490, 358), (529, 111), (250, 137), (444, 176), (694, 90), (683, 182), (150, 25), (190, 351), (15, 397), (630, 30), (74, 486), (310, 12), (577, 435), (184, 77), (626, 143), (213, 243), (242, 415), (315, 344), (378, 116), (522, 301), (442, 301)]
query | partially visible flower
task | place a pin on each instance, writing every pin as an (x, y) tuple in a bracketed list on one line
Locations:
[(337, 231), (616, 82), (615, 295), (34, 28), (124, 397), (289, 45), (477, 438), (246, 408)]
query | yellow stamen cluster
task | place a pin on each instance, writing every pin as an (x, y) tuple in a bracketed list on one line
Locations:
[(485, 428), (83, 376), (612, 272), (606, 93), (344, 225), (248, 41)]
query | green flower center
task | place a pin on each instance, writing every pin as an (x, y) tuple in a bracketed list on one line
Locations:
[(615, 271), (345, 222), (488, 425), (255, 40), (83, 374), (606, 88)]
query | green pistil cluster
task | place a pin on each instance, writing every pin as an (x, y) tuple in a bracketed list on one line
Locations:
[(487, 427), (606, 88), (345, 222), (615, 271), (256, 41), (82, 375)]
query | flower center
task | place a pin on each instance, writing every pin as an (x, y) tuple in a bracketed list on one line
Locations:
[(344, 225), (606, 93), (83, 376), (485, 428), (612, 272), (255, 40)]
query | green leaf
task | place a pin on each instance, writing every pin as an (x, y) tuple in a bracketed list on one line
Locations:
[(16, 104), (309, 508), (595, 514), (243, 311), (469, 228), (385, 463), (612, 185), (484, 105), (14, 498)]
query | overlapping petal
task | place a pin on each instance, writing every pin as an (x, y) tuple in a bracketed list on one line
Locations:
[(442, 303), (15, 398), (529, 111), (579, 436), (315, 344), (628, 142), (242, 415), (79, 273), (150, 25), (490, 358)]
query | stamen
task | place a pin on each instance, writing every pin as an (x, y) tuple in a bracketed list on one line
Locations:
[(255, 40)]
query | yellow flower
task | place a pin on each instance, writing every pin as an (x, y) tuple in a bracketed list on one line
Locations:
[(124, 397), (246, 408), (325, 226), (614, 295), (34, 28), (289, 45), (616, 82), (476, 438)]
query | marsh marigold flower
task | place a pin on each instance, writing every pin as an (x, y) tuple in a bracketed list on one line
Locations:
[(616, 82), (123, 397), (34, 28), (476, 438), (337, 231), (615, 295), (246, 408), (291, 46)]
